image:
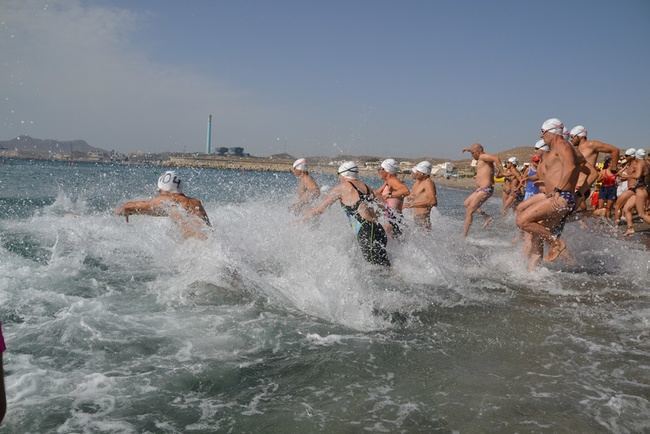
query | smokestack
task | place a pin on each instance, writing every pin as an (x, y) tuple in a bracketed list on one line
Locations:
[(208, 140)]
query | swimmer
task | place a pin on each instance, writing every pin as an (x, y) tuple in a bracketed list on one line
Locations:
[(590, 150), (188, 213), (486, 167), (357, 201), (423, 195), (511, 185), (307, 190), (638, 172), (392, 193), (624, 193), (561, 167)]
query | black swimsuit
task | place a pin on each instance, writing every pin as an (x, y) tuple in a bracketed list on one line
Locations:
[(370, 235)]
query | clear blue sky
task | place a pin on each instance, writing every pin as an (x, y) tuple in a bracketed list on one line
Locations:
[(411, 78)]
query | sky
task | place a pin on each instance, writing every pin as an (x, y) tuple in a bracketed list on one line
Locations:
[(372, 77)]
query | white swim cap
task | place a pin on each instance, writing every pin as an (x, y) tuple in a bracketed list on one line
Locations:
[(349, 169), (553, 125), (639, 154), (169, 182), (390, 166), (629, 152), (541, 145), (512, 160), (578, 131), (423, 167), (300, 164)]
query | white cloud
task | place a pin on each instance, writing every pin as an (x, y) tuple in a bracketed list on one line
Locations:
[(69, 71)]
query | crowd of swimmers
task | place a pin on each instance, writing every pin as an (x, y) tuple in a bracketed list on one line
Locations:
[(554, 186)]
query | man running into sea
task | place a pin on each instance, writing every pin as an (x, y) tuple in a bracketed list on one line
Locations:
[(357, 201), (511, 185), (188, 213), (561, 168), (392, 192), (423, 195), (590, 150), (638, 172), (307, 190), (486, 167)]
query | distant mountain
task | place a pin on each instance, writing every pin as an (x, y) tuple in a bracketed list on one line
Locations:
[(46, 146)]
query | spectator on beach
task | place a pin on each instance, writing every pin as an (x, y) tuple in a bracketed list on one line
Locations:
[(187, 212)]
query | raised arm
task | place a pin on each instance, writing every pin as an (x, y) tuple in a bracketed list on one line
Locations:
[(606, 148)]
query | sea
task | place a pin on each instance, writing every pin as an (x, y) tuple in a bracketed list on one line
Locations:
[(276, 325)]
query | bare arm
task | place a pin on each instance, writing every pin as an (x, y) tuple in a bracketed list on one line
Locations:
[(378, 191), (332, 196), (141, 207), (398, 189), (606, 148)]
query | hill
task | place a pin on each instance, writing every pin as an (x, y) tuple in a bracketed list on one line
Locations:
[(44, 147)]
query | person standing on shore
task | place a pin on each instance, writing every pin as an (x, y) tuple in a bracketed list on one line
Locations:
[(486, 167), (561, 168), (392, 193), (307, 190), (357, 201), (423, 195), (187, 212)]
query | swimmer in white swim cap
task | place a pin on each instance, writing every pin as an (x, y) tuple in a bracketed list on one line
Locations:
[(187, 212), (423, 195), (392, 192), (544, 219), (307, 190), (590, 149), (358, 203)]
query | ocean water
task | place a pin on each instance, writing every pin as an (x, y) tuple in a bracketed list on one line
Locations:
[(272, 325)]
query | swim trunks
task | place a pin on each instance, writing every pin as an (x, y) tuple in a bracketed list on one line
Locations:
[(607, 192), (423, 220), (640, 183), (570, 206), (489, 190)]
